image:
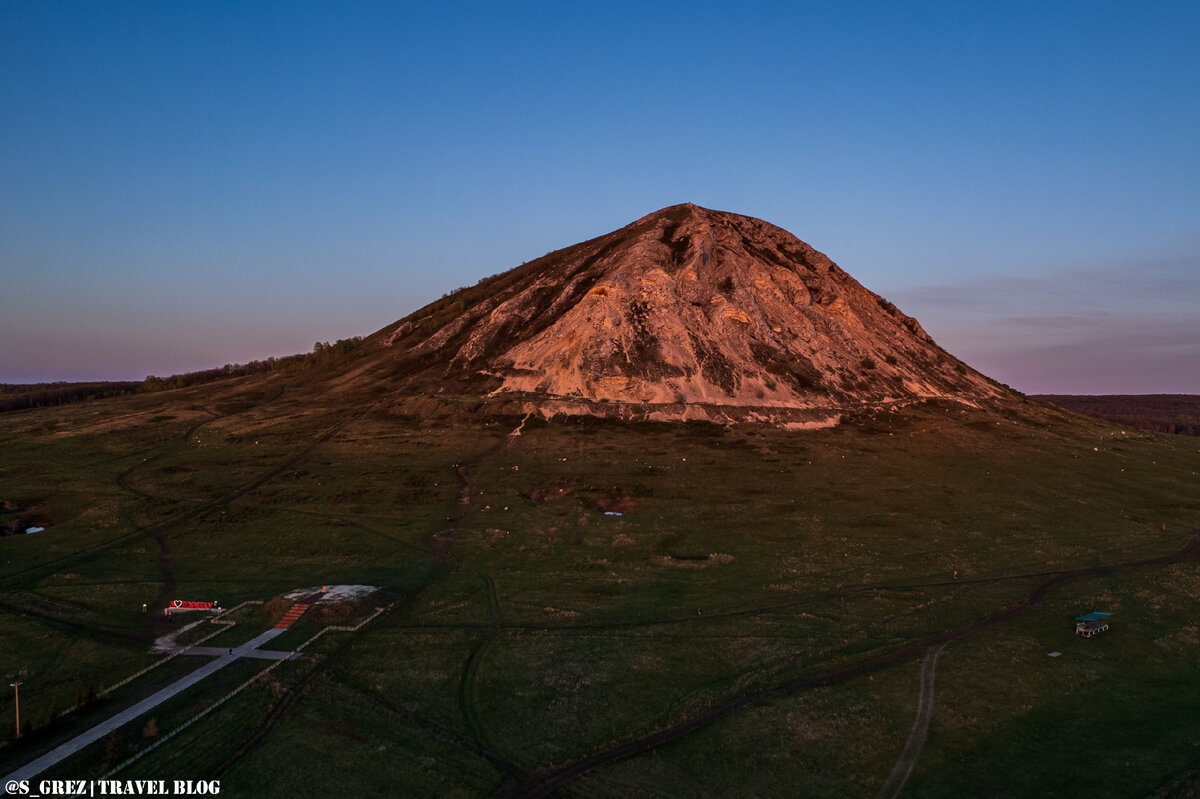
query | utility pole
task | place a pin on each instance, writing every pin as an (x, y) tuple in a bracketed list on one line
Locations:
[(16, 686)]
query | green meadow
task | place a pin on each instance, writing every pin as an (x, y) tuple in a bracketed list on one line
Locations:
[(599, 608)]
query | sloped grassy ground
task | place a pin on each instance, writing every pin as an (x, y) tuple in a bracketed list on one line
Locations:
[(590, 583)]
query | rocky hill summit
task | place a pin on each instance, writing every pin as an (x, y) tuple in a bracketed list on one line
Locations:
[(685, 313)]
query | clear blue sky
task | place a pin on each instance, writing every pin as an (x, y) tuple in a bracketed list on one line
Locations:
[(188, 184)]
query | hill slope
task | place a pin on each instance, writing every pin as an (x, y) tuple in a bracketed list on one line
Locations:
[(689, 313)]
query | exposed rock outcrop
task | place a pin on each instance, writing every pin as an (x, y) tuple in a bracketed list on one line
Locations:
[(684, 311)]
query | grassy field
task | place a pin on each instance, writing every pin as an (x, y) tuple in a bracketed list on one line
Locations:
[(605, 608)]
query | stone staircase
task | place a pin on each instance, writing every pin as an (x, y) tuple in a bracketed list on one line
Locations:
[(295, 612)]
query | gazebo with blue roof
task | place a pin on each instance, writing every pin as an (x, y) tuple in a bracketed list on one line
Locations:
[(1089, 624)]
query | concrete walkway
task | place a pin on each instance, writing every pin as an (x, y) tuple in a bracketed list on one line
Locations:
[(261, 654), (248, 649)]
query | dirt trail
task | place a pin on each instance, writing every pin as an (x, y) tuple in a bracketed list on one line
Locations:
[(551, 780), (123, 478), (157, 531), (11, 580), (467, 691), (464, 470), (167, 565), (920, 729), (440, 547)]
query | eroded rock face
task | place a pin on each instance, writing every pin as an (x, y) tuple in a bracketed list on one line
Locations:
[(687, 307)]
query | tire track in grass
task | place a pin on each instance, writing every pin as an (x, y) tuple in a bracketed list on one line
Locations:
[(12, 580), (122, 479), (156, 531), (439, 732), (166, 564), (274, 716), (467, 694), (550, 780), (327, 663), (467, 691), (920, 729)]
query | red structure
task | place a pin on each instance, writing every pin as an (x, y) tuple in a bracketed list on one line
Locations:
[(295, 612)]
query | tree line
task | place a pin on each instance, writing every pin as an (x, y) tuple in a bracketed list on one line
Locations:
[(41, 395), (1178, 414), (15, 397), (322, 352)]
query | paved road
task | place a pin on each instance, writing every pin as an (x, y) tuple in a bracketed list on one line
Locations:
[(32, 769)]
